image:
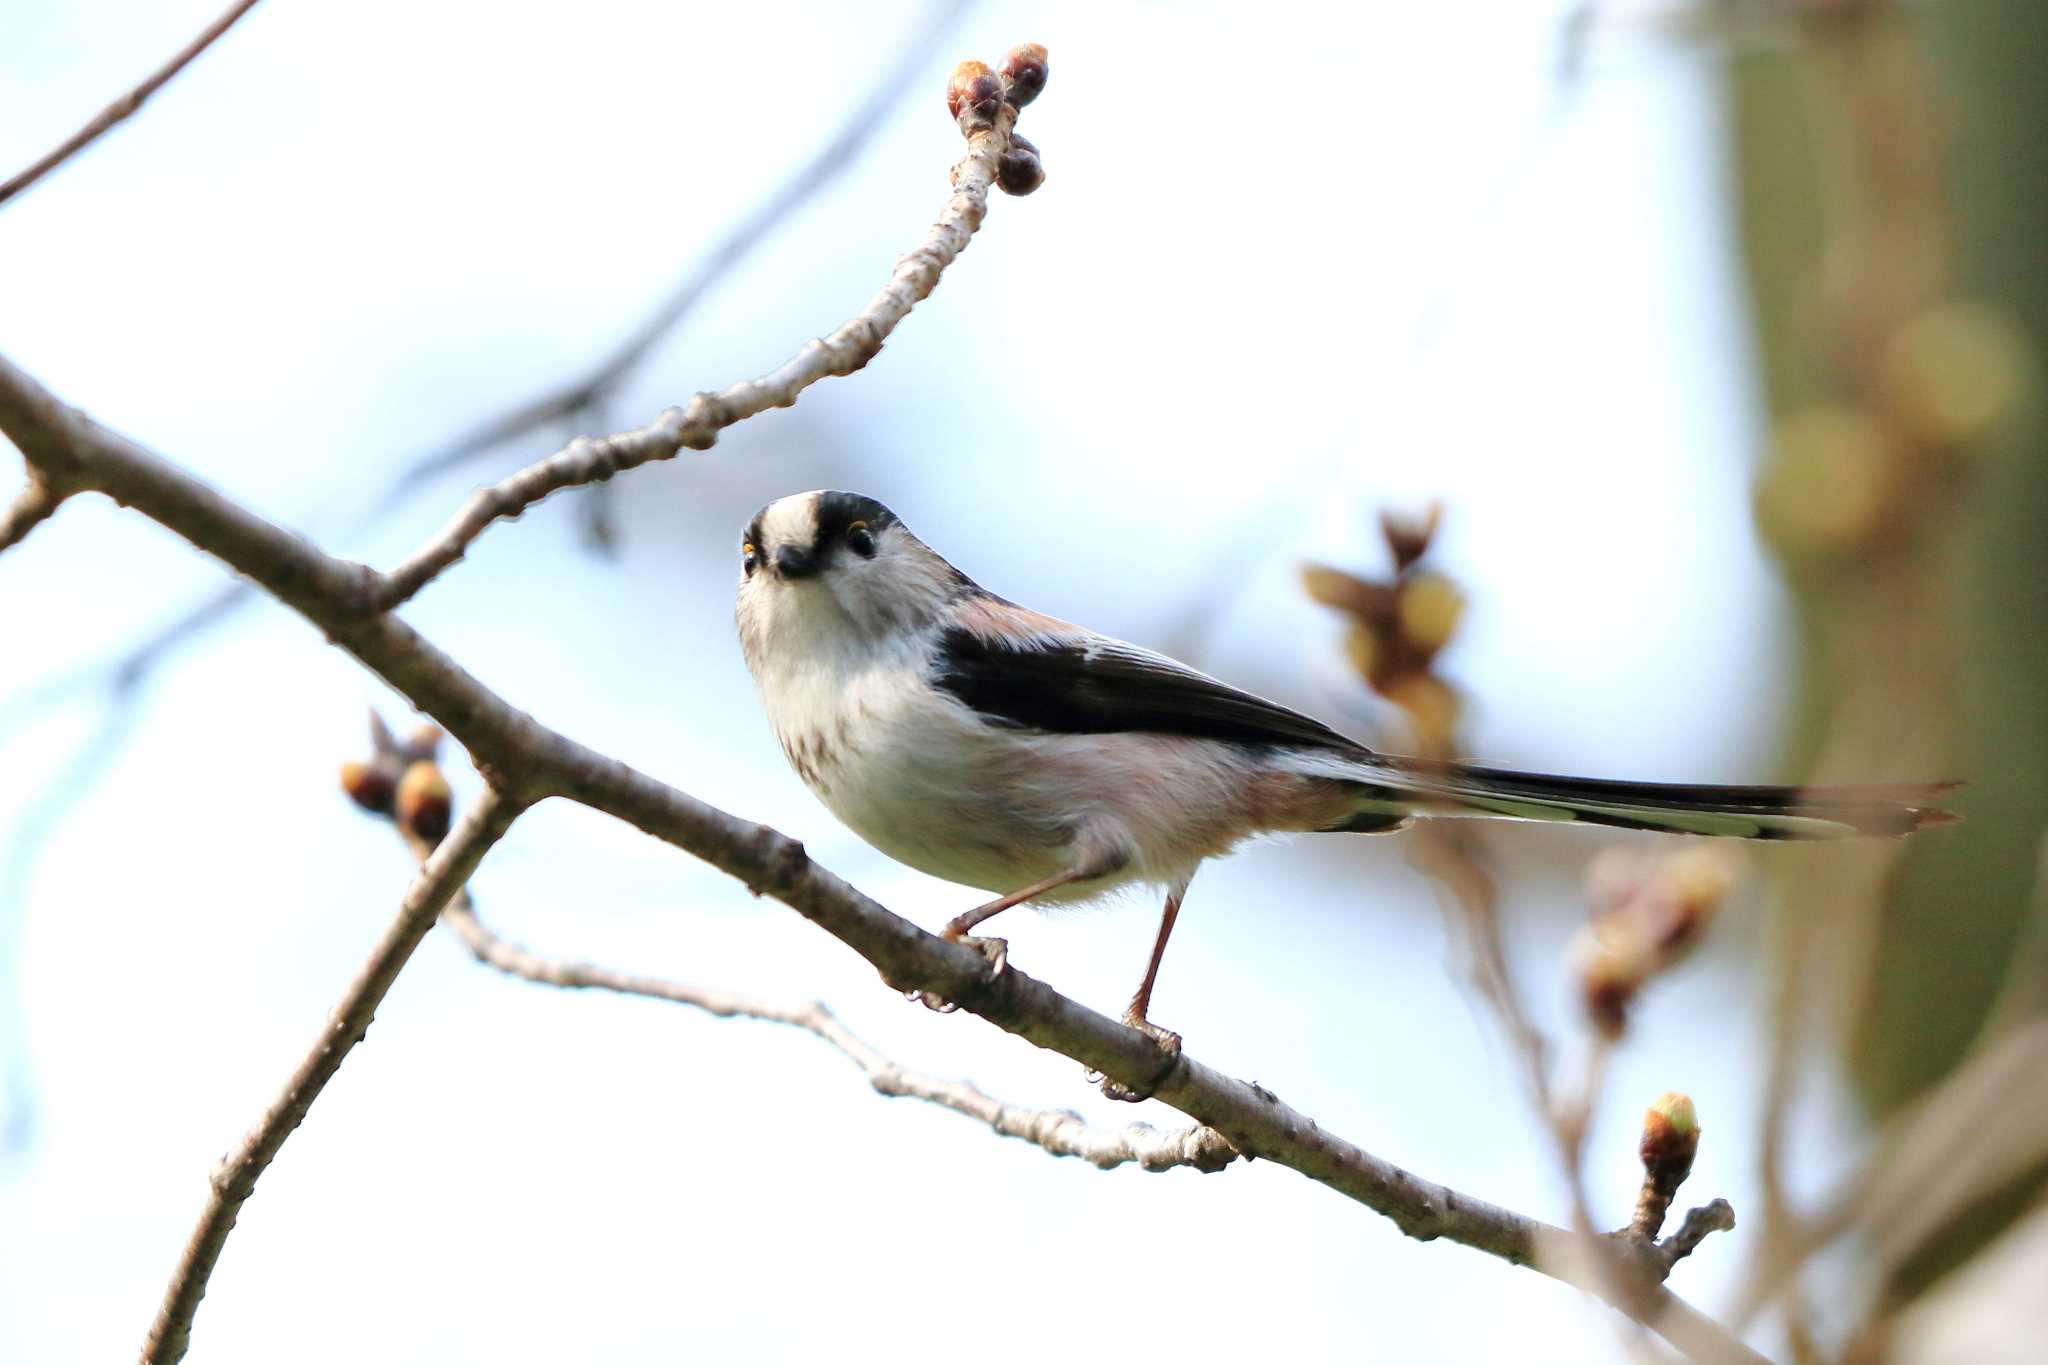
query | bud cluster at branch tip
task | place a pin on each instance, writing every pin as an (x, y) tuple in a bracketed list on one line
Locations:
[(402, 781), (1398, 628), (975, 95), (1649, 909)]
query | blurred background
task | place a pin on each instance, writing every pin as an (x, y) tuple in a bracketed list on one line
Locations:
[(1711, 326)]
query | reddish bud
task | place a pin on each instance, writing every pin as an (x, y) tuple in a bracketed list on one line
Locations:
[(1024, 68), (1019, 171), (423, 802), (370, 785), (973, 88)]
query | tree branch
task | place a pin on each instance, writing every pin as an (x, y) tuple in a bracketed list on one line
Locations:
[(234, 1180), (123, 107), (593, 386), (524, 762), (122, 676), (696, 426), (528, 761), (1059, 1131)]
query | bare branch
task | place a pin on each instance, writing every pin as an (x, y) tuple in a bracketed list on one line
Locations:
[(121, 676), (234, 1180), (123, 107), (1059, 1131), (1716, 1215), (30, 509), (589, 389), (696, 426), (528, 761)]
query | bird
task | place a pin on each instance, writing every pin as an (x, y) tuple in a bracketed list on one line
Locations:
[(991, 745)]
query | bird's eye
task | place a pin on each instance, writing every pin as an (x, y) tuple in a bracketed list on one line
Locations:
[(750, 558), (861, 539)]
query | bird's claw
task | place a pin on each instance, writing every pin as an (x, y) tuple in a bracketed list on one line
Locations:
[(1169, 1046), (996, 950)]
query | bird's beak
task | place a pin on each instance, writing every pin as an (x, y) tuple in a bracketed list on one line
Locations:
[(794, 562)]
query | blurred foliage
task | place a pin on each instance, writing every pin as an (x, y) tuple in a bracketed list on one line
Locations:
[(1898, 337)]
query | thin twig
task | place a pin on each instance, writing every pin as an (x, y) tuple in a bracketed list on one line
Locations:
[(234, 1180), (589, 389), (122, 676), (529, 761), (1059, 1131), (696, 425), (123, 107)]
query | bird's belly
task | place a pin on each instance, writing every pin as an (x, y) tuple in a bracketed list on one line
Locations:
[(924, 783), (946, 818)]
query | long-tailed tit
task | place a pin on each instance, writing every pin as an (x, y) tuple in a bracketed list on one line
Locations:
[(984, 743)]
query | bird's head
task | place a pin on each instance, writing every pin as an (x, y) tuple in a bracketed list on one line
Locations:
[(829, 570)]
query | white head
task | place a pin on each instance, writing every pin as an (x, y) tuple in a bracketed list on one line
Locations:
[(836, 572)]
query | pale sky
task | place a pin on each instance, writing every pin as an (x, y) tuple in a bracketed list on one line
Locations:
[(1291, 264)]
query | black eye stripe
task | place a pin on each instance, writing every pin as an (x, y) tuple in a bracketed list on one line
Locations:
[(837, 513)]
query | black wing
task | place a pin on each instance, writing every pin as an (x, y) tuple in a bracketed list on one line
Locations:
[(1096, 685)]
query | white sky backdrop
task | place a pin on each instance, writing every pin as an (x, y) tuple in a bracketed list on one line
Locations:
[(1291, 264)]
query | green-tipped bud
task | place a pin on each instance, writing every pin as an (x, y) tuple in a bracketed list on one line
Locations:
[(1671, 1139)]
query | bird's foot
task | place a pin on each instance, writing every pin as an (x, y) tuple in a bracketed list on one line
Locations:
[(996, 950), (1169, 1049)]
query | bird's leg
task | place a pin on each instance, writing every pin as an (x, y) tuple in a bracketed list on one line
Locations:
[(1134, 1017), (997, 950)]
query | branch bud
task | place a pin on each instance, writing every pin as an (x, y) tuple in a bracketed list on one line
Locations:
[(1951, 374), (975, 89), (370, 785), (1019, 171), (1691, 885), (423, 803), (1671, 1138), (1829, 481), (1611, 963), (1430, 606), (1024, 70)]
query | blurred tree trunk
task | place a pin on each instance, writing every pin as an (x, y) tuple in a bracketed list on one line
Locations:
[(1951, 585)]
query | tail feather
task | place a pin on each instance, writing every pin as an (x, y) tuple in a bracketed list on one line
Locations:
[(1892, 809)]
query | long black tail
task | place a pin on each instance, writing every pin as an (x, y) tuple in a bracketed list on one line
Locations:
[(1892, 809)]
